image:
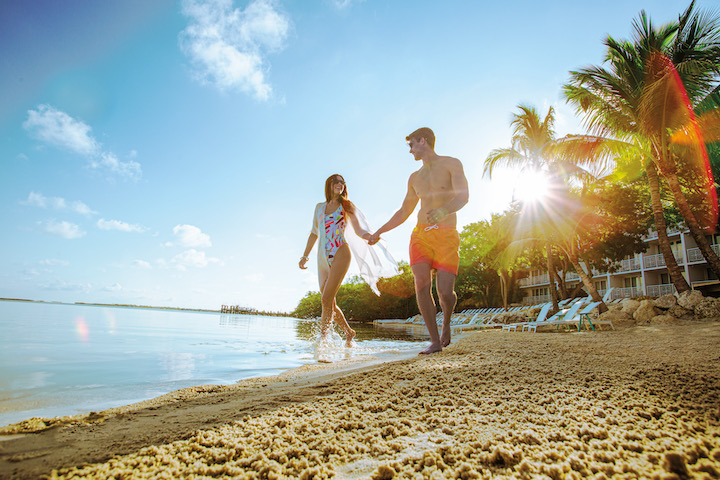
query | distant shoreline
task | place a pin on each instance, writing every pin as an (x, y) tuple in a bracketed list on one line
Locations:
[(150, 307)]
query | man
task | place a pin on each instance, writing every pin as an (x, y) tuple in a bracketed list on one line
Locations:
[(442, 189)]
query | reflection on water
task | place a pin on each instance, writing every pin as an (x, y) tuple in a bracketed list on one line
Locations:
[(67, 359), (178, 366)]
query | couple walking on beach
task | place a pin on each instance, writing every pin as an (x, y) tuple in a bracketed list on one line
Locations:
[(442, 189)]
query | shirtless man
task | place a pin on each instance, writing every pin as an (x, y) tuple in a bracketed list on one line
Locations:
[(442, 189)]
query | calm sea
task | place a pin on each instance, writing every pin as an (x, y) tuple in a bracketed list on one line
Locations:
[(58, 359)]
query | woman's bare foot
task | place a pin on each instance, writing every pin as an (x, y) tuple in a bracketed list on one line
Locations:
[(431, 349), (349, 335)]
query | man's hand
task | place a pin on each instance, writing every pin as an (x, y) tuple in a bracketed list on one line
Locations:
[(437, 214), (374, 238)]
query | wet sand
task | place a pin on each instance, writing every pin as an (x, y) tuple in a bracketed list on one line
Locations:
[(642, 402)]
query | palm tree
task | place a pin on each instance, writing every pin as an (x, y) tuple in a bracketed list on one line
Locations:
[(647, 91), (533, 143), (532, 138)]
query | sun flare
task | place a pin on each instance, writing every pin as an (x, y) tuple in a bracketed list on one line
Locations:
[(530, 186)]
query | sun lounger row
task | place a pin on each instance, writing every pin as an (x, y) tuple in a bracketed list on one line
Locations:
[(573, 312)]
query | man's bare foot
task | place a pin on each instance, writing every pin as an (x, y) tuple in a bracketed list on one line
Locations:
[(431, 349), (445, 339), (349, 335)]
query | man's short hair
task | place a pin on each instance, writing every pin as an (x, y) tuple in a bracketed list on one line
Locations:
[(425, 133)]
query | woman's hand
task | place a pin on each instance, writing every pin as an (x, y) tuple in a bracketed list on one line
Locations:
[(303, 261)]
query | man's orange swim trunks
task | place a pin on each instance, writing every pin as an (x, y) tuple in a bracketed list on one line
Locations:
[(436, 245)]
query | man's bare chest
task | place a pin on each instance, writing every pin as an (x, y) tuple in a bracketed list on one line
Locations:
[(432, 182)]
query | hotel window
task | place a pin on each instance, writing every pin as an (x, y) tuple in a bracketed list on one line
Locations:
[(711, 275), (631, 282), (601, 285)]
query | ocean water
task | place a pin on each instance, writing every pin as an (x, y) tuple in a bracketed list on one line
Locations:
[(58, 359)]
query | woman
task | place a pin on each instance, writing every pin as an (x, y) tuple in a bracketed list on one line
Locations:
[(334, 252)]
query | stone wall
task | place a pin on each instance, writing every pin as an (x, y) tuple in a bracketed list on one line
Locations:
[(689, 306)]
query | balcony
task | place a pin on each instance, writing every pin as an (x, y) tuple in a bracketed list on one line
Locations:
[(534, 300), (695, 256), (531, 281), (629, 265), (658, 261), (653, 234), (660, 290), (627, 292)]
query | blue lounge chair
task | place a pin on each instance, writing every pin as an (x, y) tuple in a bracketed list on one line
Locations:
[(542, 314), (558, 318)]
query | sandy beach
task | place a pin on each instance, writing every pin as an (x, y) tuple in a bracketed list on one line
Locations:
[(640, 402)]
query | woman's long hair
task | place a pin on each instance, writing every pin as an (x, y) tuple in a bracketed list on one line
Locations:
[(347, 205)]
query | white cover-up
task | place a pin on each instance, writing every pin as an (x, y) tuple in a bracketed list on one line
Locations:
[(373, 261)]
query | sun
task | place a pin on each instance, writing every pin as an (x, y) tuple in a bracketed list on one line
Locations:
[(530, 186)]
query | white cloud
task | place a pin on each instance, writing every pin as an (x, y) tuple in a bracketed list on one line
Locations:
[(118, 225), (192, 258), (130, 170), (343, 4), (65, 286), (115, 287), (227, 45), (61, 130), (142, 264), (39, 200), (64, 229), (52, 262), (191, 236)]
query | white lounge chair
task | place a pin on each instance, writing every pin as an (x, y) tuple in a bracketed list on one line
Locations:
[(542, 314), (558, 318)]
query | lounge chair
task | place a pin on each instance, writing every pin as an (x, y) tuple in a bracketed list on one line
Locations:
[(580, 317), (512, 327), (586, 316), (606, 297), (542, 314), (558, 318)]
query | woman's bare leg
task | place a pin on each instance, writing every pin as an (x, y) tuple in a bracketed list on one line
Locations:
[(340, 319), (338, 269)]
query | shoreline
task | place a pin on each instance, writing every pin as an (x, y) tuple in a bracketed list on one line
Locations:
[(638, 402)]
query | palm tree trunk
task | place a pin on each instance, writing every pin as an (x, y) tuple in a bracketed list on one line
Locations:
[(587, 281), (503, 287), (561, 283), (551, 271), (676, 276), (691, 221)]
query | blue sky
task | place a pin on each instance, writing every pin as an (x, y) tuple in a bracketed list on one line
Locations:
[(171, 153)]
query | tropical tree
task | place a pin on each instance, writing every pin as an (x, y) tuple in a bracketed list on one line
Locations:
[(485, 243), (532, 148), (647, 92)]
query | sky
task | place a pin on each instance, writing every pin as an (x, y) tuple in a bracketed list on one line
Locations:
[(171, 153)]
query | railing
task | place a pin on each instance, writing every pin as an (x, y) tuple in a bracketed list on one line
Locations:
[(653, 234), (655, 261), (660, 290), (534, 300), (545, 279), (694, 255), (627, 292), (537, 280), (629, 265)]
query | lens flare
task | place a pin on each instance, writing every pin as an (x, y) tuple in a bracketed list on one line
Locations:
[(666, 107), (82, 330)]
